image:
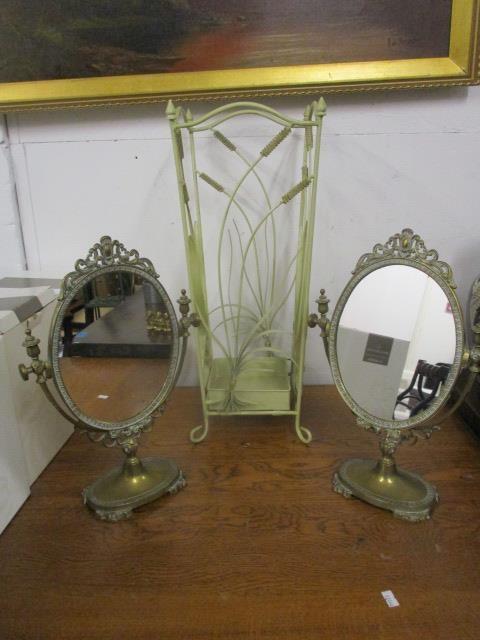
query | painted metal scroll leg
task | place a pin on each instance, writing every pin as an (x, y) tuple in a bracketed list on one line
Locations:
[(304, 434), (197, 434)]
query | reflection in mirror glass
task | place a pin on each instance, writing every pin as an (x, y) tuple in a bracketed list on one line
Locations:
[(115, 346), (396, 342)]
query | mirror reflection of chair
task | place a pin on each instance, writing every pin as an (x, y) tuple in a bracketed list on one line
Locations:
[(424, 386)]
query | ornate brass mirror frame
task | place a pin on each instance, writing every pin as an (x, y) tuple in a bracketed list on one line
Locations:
[(104, 258), (136, 482), (382, 483)]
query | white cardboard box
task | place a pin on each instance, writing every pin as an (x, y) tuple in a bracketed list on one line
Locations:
[(31, 430)]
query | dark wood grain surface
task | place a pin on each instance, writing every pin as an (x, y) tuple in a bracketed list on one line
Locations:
[(257, 545)]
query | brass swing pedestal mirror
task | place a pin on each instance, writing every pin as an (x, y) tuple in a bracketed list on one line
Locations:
[(115, 352), (395, 344)]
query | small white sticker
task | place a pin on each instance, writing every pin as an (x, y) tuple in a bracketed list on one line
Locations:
[(390, 599), (100, 397)]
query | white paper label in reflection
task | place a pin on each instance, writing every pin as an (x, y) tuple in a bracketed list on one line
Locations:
[(100, 397), (390, 599)]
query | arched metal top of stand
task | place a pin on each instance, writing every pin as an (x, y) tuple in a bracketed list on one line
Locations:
[(229, 111)]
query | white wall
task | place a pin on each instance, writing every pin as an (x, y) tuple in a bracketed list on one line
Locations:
[(11, 244), (389, 161)]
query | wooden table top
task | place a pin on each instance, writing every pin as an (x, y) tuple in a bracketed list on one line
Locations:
[(257, 545)]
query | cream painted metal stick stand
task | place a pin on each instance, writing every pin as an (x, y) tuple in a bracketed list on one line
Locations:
[(243, 364)]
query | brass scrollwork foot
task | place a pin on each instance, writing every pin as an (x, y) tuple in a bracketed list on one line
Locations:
[(179, 484), (417, 516), (110, 515), (340, 488)]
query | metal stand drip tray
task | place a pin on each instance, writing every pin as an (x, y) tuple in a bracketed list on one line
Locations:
[(260, 384)]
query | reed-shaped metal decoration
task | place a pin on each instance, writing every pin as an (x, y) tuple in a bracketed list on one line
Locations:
[(248, 222)]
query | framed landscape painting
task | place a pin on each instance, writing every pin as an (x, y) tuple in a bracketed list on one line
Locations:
[(57, 53)]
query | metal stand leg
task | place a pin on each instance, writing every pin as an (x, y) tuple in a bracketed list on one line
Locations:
[(197, 434), (304, 434)]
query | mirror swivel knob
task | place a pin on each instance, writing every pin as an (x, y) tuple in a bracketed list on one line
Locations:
[(41, 368), (24, 371), (188, 319)]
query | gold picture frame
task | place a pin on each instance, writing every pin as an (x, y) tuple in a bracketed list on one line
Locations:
[(460, 67)]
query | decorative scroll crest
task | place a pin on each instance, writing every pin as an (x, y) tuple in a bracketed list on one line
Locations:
[(123, 436), (105, 253), (118, 437), (412, 434), (409, 246), (368, 426)]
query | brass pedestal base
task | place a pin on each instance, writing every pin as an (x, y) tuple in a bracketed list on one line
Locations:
[(131, 485), (384, 485)]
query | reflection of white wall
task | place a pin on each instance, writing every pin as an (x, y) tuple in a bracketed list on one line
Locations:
[(386, 302), (433, 338)]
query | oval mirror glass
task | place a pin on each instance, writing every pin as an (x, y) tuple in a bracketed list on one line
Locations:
[(115, 347), (396, 345)]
